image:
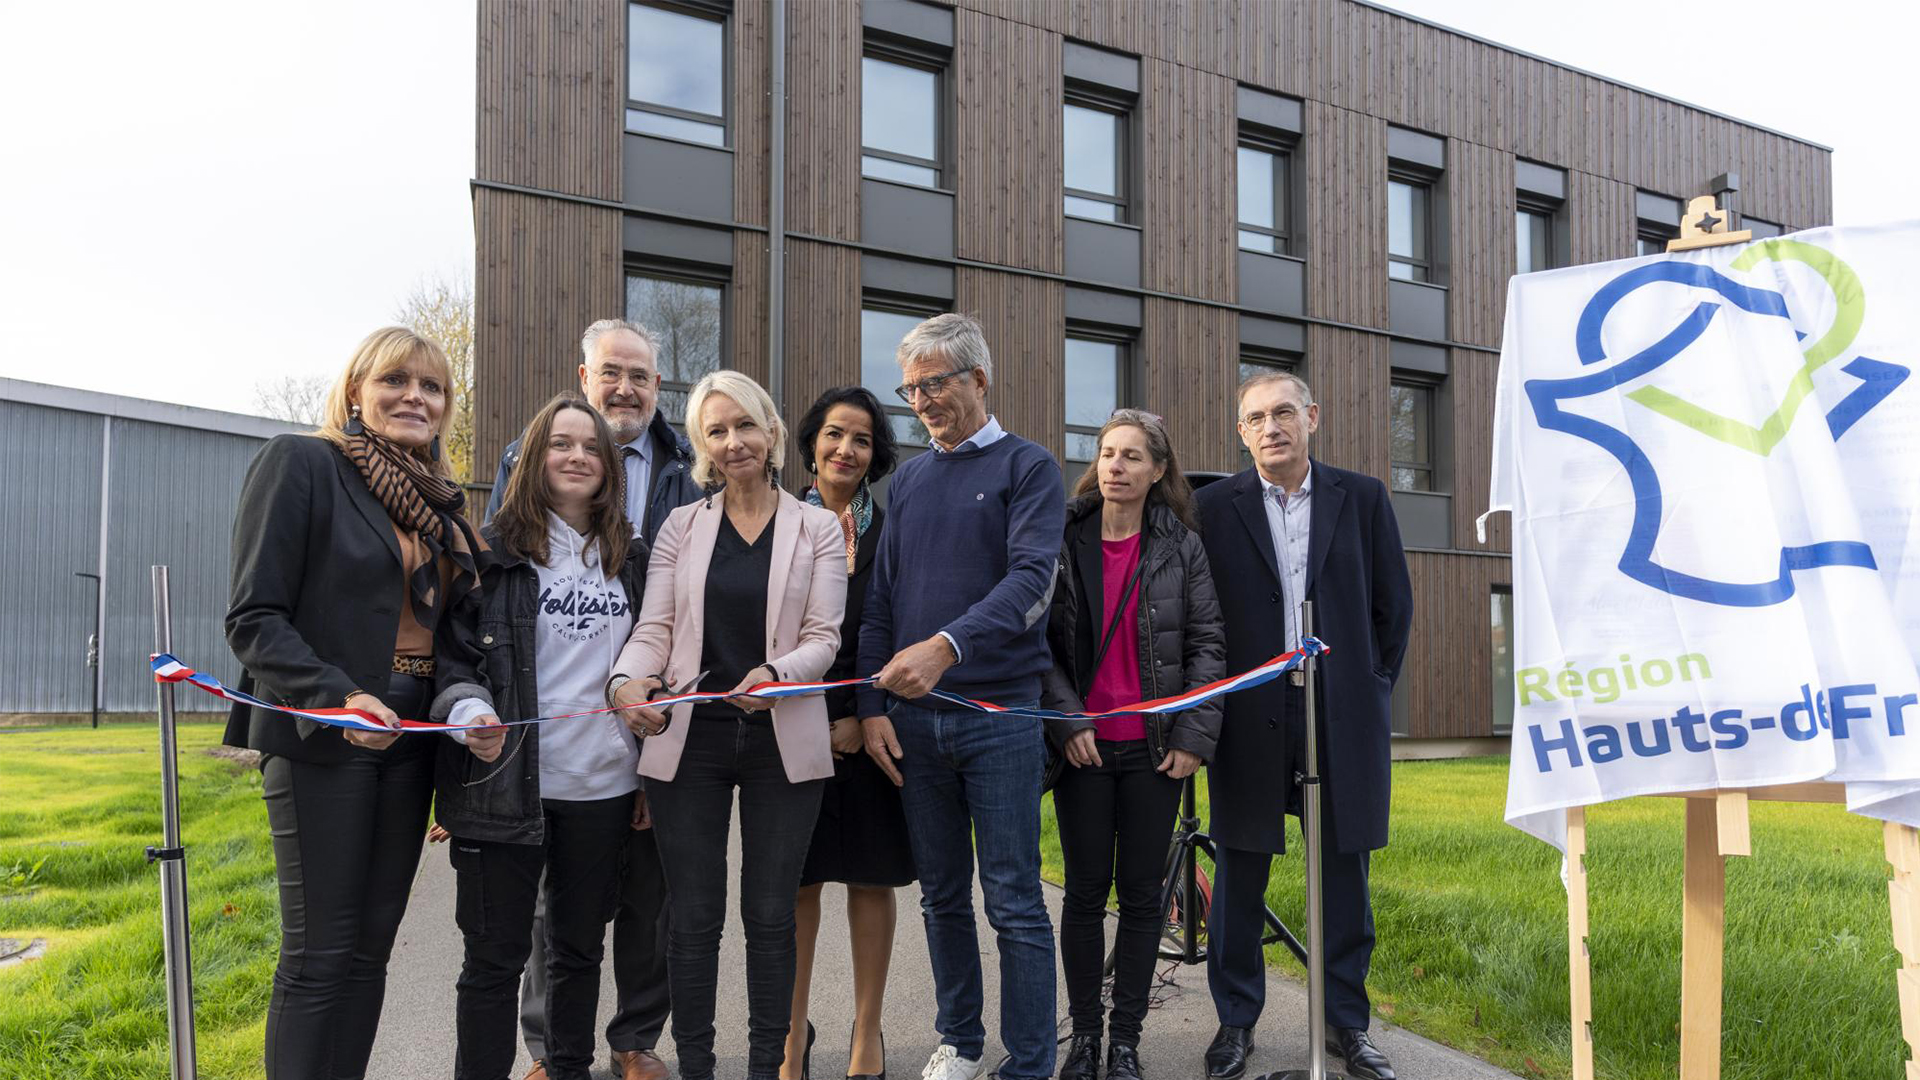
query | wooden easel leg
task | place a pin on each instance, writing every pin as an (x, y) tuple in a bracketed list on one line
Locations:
[(1703, 929), (1578, 960), (1903, 851)]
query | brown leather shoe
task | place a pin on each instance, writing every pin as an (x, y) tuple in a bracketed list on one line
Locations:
[(538, 1072), (638, 1065)]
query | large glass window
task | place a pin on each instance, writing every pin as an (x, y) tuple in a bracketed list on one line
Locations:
[(1760, 229), (1502, 682), (1652, 239), (1409, 232), (880, 332), (1533, 240), (686, 316), (676, 74), (1263, 180), (1410, 431), (1095, 375), (1096, 149), (899, 122)]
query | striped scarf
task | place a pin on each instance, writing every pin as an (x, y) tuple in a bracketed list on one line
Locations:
[(426, 504), (854, 520)]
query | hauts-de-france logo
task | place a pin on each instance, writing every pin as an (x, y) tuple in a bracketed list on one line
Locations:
[(1874, 380)]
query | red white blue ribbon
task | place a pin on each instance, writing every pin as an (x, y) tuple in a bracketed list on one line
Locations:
[(167, 668)]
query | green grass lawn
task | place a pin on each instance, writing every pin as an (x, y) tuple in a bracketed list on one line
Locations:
[(1471, 923), (77, 810)]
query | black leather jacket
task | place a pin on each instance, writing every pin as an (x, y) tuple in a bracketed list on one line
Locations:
[(499, 800), (1182, 643)]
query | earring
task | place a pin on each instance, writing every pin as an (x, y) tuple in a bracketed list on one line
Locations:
[(434, 448), (354, 426)]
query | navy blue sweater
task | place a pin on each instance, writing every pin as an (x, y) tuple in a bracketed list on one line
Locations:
[(971, 542)]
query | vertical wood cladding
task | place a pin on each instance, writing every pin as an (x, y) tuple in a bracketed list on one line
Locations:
[(823, 119), (1189, 366), (1600, 219), (822, 334), (1188, 196), (1007, 142), (1471, 384), (551, 95), (752, 110), (544, 269), (747, 305), (1025, 321), (1449, 666), (1349, 374), (1480, 193), (1343, 163)]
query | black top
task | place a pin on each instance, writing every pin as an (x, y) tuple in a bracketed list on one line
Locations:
[(735, 641)]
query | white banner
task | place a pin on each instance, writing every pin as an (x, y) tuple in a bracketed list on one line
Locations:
[(1712, 459)]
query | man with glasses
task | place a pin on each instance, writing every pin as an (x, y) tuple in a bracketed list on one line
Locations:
[(620, 376), (958, 603), (1286, 530)]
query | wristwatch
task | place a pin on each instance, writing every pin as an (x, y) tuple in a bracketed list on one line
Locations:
[(613, 685)]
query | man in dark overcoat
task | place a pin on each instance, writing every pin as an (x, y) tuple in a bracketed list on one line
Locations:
[(1286, 530)]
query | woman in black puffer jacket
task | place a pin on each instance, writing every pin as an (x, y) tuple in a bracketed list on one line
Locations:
[(1134, 618)]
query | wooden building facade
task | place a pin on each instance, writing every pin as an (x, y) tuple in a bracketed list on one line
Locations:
[(1141, 201)]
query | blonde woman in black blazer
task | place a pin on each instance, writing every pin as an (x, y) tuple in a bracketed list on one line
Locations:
[(349, 553)]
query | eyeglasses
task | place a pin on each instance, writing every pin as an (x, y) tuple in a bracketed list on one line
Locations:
[(1258, 420), (932, 387)]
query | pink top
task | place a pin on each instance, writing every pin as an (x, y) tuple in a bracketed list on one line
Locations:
[(1117, 681)]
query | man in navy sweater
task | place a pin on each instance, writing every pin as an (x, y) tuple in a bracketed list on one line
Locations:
[(958, 602)]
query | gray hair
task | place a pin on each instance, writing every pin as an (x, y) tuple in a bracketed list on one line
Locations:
[(604, 327), (955, 337), (1267, 378)]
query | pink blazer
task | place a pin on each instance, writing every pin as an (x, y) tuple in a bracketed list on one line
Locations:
[(806, 600)]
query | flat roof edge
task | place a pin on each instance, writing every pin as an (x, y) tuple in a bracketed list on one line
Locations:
[(123, 407)]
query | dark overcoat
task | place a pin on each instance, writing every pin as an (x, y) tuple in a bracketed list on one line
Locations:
[(1363, 610)]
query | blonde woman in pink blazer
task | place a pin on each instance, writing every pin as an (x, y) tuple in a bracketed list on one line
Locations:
[(747, 585)]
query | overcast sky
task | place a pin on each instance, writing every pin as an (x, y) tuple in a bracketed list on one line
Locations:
[(197, 197)]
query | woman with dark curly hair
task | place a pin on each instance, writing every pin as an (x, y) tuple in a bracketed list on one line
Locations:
[(860, 838)]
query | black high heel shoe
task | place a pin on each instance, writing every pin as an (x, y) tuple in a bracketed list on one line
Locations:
[(882, 1074), (806, 1059)]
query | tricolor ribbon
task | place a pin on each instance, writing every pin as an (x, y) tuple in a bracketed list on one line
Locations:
[(167, 668)]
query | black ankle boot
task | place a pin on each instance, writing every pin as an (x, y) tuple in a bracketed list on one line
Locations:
[(1123, 1062), (1083, 1059)]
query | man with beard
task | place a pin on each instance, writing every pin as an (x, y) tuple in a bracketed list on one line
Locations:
[(620, 376)]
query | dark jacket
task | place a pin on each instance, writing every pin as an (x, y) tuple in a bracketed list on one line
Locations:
[(672, 484), (315, 603), (503, 802), (1363, 610), (841, 702), (1181, 643)]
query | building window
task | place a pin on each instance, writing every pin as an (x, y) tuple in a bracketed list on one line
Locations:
[(1095, 133), (1533, 238), (1095, 386), (900, 120), (881, 328), (676, 74), (1409, 228), (1264, 184), (686, 316), (1502, 641), (1252, 364), (1760, 229), (1652, 238), (1411, 434)]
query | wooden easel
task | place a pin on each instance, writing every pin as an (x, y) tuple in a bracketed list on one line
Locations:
[(1716, 828)]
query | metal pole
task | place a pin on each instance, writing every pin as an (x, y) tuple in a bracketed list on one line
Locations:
[(93, 644), (172, 858), (1313, 835), (1190, 910)]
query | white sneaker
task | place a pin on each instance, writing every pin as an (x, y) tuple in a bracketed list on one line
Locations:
[(947, 1064)]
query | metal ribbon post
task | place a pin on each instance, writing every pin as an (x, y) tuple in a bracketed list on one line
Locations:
[(172, 858), (1313, 833)]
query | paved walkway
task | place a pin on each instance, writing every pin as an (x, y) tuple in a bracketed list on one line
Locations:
[(416, 1034)]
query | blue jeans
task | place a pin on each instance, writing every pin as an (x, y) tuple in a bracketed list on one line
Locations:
[(972, 781)]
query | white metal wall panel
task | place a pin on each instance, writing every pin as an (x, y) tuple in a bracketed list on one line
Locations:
[(49, 528)]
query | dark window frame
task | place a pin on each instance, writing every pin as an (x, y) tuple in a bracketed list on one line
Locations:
[(1551, 211), (1652, 232), (919, 308), (926, 58), (724, 121), (684, 274), (1126, 386), (1121, 107), (1501, 686), (1282, 149), (1432, 386), (1424, 183)]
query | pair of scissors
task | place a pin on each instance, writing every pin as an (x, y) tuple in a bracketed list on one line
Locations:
[(676, 691)]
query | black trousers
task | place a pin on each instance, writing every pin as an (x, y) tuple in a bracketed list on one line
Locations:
[(581, 860), (346, 843), (693, 814), (641, 1001), (1236, 968), (1116, 819)]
